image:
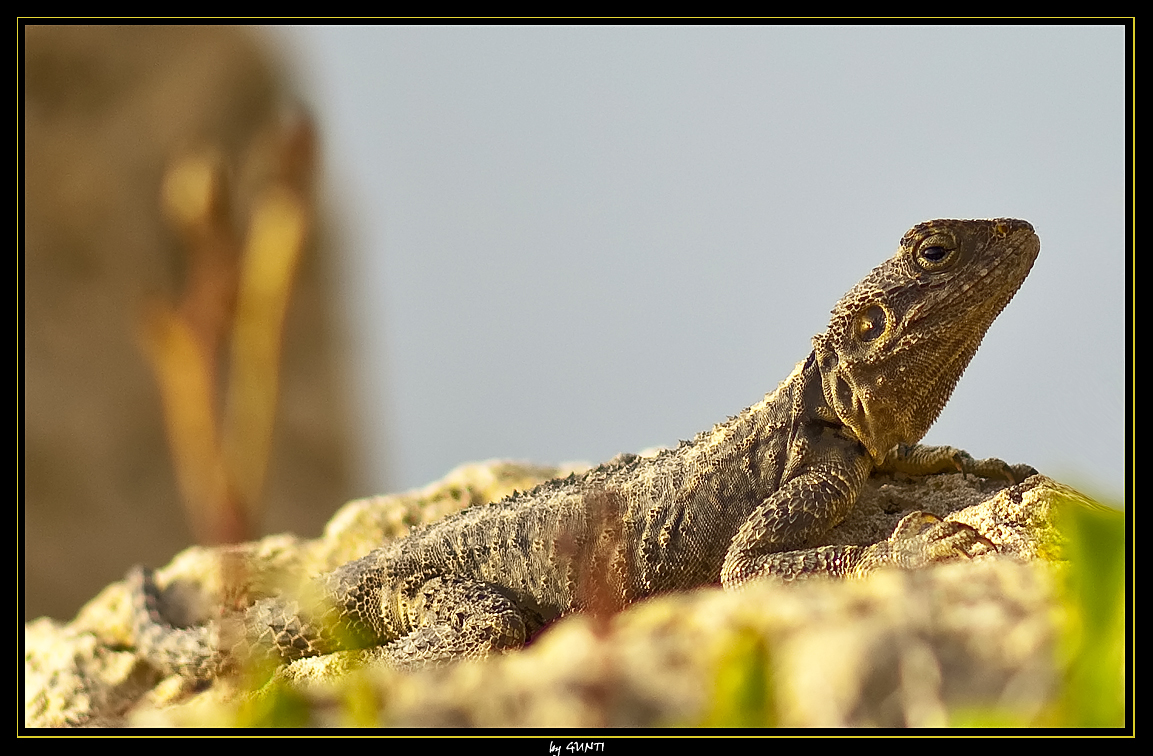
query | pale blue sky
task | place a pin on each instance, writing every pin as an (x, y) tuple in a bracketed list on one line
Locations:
[(567, 242)]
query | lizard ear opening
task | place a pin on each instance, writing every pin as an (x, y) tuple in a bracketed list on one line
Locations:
[(871, 323)]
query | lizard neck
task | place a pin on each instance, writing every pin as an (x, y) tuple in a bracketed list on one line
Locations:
[(759, 445)]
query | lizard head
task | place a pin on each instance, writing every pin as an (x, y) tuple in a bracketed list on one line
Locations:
[(900, 339)]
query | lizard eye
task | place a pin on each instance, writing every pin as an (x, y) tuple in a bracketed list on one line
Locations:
[(870, 323), (937, 251)]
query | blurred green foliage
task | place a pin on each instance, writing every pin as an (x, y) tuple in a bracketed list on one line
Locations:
[(743, 691), (1094, 649)]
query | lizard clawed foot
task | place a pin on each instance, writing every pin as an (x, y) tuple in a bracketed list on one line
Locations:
[(994, 468), (921, 538)]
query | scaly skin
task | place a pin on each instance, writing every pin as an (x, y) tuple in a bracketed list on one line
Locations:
[(741, 501)]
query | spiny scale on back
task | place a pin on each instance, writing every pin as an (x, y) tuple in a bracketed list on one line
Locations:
[(742, 500)]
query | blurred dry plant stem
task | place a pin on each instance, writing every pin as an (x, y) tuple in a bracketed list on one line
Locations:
[(236, 296)]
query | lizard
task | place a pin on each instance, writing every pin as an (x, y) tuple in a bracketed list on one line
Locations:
[(744, 500)]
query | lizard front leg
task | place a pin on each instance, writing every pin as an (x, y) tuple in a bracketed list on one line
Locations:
[(918, 459), (769, 542), (920, 539), (807, 506)]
